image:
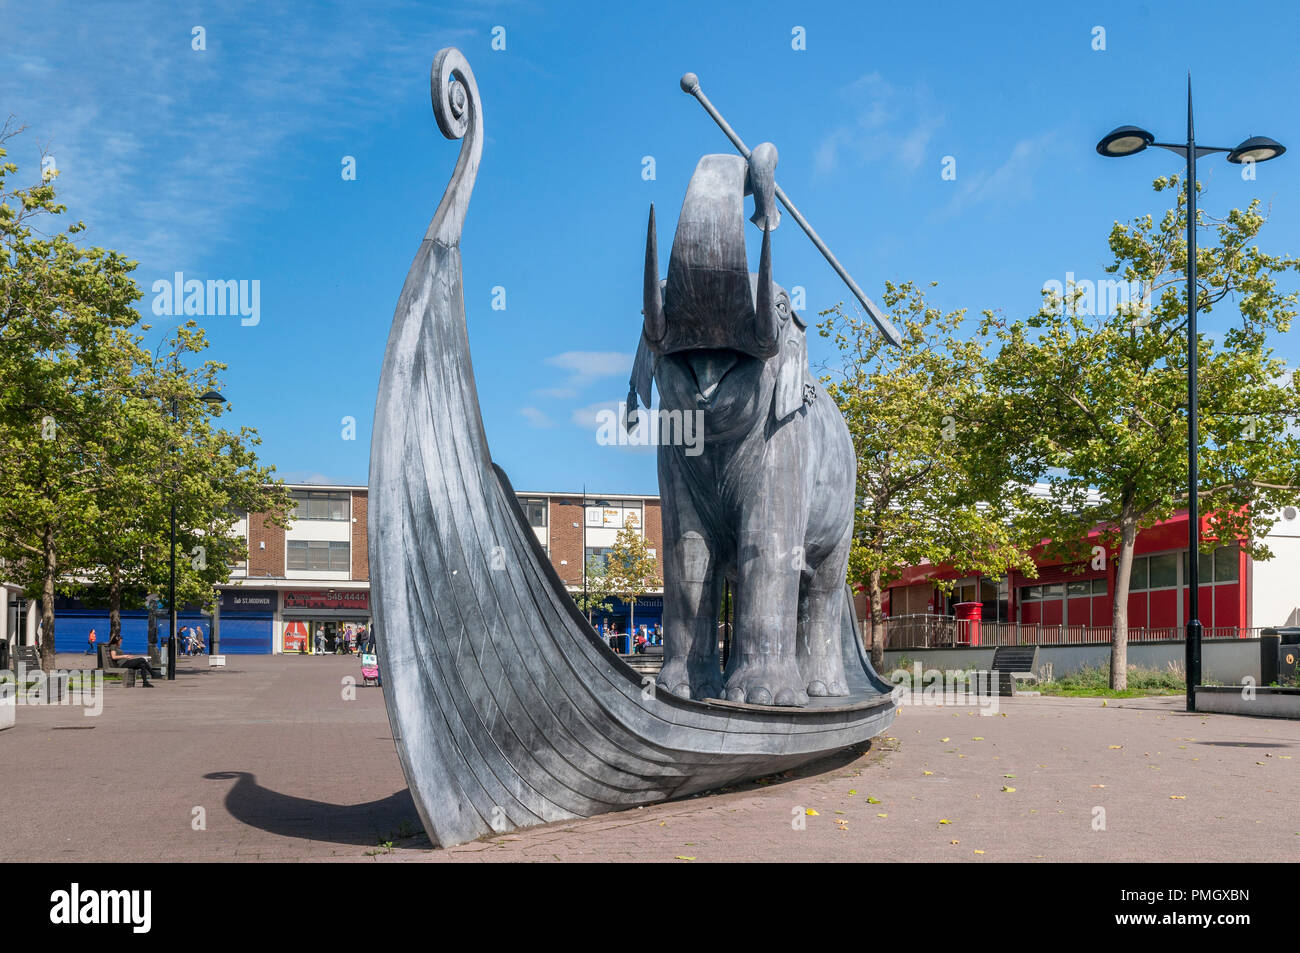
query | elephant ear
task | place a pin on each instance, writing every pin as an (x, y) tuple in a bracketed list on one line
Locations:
[(643, 368), (792, 374)]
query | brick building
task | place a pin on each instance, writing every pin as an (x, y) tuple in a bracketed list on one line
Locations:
[(309, 584)]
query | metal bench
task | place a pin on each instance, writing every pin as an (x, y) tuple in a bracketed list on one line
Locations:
[(1012, 664)]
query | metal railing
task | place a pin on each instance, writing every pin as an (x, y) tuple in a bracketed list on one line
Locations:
[(928, 631)]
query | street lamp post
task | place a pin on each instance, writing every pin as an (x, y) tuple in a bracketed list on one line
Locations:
[(212, 399), (1127, 141)]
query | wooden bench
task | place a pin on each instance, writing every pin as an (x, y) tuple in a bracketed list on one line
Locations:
[(109, 667)]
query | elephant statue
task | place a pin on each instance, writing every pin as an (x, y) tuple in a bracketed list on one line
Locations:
[(767, 500)]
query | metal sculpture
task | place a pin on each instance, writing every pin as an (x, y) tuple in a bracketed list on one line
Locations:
[(507, 709)]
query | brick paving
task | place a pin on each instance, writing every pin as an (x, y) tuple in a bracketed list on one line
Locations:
[(284, 768)]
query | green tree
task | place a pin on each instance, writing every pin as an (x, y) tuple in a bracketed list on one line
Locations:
[(630, 569), (170, 453), (98, 437), (927, 491), (62, 307), (1096, 404), (596, 594)]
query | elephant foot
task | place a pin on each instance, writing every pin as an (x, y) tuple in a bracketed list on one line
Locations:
[(690, 678), (766, 680), (824, 676)]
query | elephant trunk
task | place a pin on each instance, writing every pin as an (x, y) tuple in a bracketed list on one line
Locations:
[(767, 323), (656, 327)]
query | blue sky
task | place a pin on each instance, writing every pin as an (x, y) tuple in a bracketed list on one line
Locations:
[(225, 164)]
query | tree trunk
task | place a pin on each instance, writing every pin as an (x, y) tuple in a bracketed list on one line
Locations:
[(49, 574), (1119, 632), (878, 629), (114, 602)]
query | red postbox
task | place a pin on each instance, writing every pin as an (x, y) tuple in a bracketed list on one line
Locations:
[(969, 613)]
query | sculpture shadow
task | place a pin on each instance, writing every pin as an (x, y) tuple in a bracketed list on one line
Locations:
[(367, 824)]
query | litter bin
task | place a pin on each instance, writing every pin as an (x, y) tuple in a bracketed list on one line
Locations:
[(1280, 655), (969, 613)]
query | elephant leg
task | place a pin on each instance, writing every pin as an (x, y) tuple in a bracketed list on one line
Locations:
[(691, 668), (762, 669), (821, 661)]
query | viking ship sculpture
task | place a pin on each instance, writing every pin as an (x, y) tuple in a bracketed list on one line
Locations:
[(507, 709)]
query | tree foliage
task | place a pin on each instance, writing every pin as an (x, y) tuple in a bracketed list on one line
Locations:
[(1096, 403), (99, 437), (927, 490)]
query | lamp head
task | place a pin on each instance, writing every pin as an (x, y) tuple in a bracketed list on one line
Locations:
[(1256, 149), (1124, 141)]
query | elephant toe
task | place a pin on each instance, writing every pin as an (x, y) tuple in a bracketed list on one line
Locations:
[(735, 694), (759, 696), (790, 697), (817, 688), (681, 690)]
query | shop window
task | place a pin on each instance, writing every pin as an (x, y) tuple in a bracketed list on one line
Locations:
[(1162, 571), (1083, 588), (1138, 577), (1100, 587), (1225, 564), (320, 505), (1031, 593), (317, 555)]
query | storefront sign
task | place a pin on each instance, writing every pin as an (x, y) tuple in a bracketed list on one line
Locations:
[(248, 600), (326, 599)]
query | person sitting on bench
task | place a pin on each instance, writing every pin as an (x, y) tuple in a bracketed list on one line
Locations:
[(137, 662)]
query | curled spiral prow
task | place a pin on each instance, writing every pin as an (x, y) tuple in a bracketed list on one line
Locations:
[(454, 92), (459, 112)]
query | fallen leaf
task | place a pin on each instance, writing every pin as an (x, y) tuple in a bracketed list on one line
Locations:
[(811, 813), (979, 851), (1008, 790), (927, 773), (958, 842), (838, 812), (977, 738), (1115, 747), (882, 815), (1008, 775), (873, 800), (662, 823), (943, 739), (945, 821), (852, 791), (683, 857), (1178, 797)]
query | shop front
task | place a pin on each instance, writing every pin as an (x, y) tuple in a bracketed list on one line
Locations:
[(324, 621), (247, 621)]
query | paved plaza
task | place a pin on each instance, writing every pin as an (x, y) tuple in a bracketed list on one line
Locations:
[(267, 760)]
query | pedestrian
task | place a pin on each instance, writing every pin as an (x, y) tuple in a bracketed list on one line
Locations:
[(90, 643), (137, 662)]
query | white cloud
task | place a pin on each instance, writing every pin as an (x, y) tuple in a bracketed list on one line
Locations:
[(887, 122), (1013, 180), (161, 148), (536, 417), (585, 368)]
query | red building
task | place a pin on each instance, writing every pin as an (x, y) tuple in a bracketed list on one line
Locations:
[(1082, 593)]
